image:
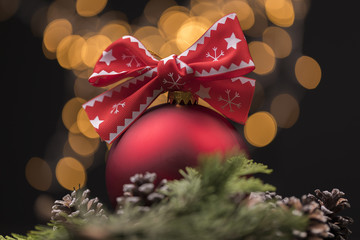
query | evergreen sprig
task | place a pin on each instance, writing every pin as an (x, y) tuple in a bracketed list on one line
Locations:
[(200, 206)]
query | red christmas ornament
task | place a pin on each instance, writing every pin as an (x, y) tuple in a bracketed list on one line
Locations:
[(169, 138), (165, 139)]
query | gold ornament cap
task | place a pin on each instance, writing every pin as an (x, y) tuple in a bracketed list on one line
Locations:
[(181, 98)]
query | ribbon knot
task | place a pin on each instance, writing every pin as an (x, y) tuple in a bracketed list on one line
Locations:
[(213, 69), (174, 73)]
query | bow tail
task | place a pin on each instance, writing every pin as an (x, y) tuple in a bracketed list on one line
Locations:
[(231, 97), (115, 110)]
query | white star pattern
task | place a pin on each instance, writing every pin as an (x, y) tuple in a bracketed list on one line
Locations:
[(232, 41), (203, 92), (96, 122), (107, 57)]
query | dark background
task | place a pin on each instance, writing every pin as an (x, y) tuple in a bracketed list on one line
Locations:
[(319, 151)]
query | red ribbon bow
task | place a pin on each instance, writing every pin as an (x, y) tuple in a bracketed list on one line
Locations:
[(212, 69)]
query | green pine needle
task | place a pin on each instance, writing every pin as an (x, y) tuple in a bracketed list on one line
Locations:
[(199, 207)]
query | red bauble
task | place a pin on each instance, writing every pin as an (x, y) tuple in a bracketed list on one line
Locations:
[(165, 139)]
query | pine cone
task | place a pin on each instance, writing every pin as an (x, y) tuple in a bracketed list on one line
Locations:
[(77, 205), (331, 203), (256, 197), (141, 192), (317, 228)]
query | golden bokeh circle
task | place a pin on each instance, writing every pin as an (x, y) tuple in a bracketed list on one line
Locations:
[(85, 126), (82, 145), (74, 54), (260, 24), (263, 56), (153, 43), (38, 173), (279, 40), (63, 50), (154, 8), (170, 22), (56, 31), (86, 161), (93, 48), (243, 11), (191, 31), (89, 8), (168, 48), (201, 8), (307, 72), (280, 12), (43, 206), (114, 31), (285, 110), (70, 112), (70, 173), (8, 8), (260, 129)]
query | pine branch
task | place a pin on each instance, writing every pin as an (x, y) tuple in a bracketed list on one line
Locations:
[(219, 200)]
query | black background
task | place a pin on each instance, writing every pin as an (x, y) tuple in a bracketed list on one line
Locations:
[(319, 151)]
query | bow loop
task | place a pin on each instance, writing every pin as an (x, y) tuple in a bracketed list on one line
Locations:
[(124, 58), (212, 69), (221, 52)]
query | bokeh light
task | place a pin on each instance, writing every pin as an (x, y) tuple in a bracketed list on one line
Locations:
[(285, 109), (42, 207), (70, 112), (244, 12), (85, 126), (280, 12), (154, 9), (191, 31), (8, 8), (170, 22), (301, 8), (89, 8), (114, 31), (279, 41), (207, 9), (70, 173), (93, 48), (260, 129), (61, 9), (74, 53), (307, 72), (263, 56), (38, 21), (63, 51), (150, 37), (38, 173), (82, 145), (168, 48), (55, 32), (86, 161), (47, 53), (260, 24)]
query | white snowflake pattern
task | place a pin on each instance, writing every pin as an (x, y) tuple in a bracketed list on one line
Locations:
[(173, 82), (215, 57), (131, 58), (115, 107), (230, 100)]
